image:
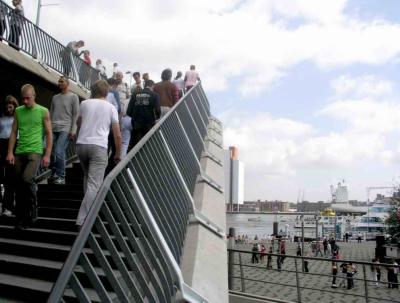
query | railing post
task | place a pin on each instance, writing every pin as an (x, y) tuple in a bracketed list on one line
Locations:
[(231, 257), (297, 281), (242, 282), (74, 69), (365, 284)]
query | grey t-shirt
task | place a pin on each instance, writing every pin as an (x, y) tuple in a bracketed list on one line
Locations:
[(64, 112)]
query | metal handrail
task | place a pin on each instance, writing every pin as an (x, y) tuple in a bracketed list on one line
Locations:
[(43, 47), (141, 213), (362, 264)]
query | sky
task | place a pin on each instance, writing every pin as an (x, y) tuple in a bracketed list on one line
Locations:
[(308, 90)]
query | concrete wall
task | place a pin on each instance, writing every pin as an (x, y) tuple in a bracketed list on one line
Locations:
[(204, 261), (17, 69)]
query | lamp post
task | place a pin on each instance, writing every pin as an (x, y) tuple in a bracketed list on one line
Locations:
[(39, 8)]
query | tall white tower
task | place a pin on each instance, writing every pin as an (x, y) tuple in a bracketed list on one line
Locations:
[(234, 178)]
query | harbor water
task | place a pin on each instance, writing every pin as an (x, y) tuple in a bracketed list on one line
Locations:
[(259, 224)]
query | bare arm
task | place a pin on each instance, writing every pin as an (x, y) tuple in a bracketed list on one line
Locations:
[(78, 124), (75, 114), (117, 140), (49, 139), (12, 141)]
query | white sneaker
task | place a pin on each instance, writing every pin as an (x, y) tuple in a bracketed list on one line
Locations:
[(7, 213)]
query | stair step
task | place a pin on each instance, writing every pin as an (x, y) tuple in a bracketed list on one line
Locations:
[(60, 203), (59, 187), (59, 194), (35, 234), (45, 223), (37, 290), (44, 269), (58, 212)]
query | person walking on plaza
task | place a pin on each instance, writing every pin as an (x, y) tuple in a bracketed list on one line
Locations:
[(343, 278), (144, 109), (325, 245), (359, 237), (31, 120), (392, 272), (168, 92), (378, 271), (64, 112), (334, 274), (351, 271), (7, 175), (262, 253), (191, 78), (374, 273), (269, 258), (254, 255), (96, 117)]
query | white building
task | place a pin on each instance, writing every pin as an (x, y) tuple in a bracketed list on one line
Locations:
[(234, 177)]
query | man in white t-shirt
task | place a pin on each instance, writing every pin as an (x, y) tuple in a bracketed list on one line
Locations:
[(96, 118), (191, 78)]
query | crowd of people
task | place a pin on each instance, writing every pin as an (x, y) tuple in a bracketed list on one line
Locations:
[(343, 271), (104, 128)]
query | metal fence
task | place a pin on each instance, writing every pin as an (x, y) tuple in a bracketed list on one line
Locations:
[(130, 245), (292, 282), (22, 34)]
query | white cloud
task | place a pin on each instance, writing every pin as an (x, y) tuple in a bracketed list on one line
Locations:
[(256, 41), (366, 115), (367, 85)]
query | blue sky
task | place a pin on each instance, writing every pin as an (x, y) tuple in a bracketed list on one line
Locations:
[(307, 89)]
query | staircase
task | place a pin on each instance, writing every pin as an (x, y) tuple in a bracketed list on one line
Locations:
[(31, 259)]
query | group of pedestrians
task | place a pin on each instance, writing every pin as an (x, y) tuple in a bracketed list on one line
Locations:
[(105, 127)]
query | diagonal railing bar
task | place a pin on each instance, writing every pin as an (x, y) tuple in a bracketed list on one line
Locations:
[(130, 283), (130, 212), (135, 230), (94, 279), (79, 290), (108, 270)]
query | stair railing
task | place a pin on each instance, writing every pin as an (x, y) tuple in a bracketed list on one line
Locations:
[(130, 245), (43, 47)]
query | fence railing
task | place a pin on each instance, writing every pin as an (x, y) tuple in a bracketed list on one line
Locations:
[(293, 281), (130, 245), (24, 35)]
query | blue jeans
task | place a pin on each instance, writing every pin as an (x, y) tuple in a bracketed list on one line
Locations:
[(60, 144)]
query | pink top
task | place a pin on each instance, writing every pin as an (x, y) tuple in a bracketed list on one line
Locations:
[(191, 78)]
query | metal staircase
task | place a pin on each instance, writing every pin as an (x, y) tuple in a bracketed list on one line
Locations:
[(31, 259)]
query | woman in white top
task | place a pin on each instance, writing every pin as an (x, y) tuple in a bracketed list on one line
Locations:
[(7, 171)]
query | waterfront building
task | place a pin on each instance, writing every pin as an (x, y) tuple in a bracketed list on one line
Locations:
[(234, 178)]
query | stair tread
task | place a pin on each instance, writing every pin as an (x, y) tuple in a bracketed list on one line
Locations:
[(42, 285), (31, 261), (30, 283), (52, 231), (36, 244)]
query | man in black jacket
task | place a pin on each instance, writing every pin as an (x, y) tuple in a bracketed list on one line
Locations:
[(144, 109)]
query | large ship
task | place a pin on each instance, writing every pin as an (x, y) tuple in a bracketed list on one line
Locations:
[(374, 222), (340, 202)]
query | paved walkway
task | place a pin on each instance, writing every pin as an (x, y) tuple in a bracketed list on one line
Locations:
[(316, 288)]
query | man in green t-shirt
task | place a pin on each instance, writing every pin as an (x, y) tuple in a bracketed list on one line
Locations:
[(30, 121)]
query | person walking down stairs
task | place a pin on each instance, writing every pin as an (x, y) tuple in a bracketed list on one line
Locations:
[(30, 121)]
